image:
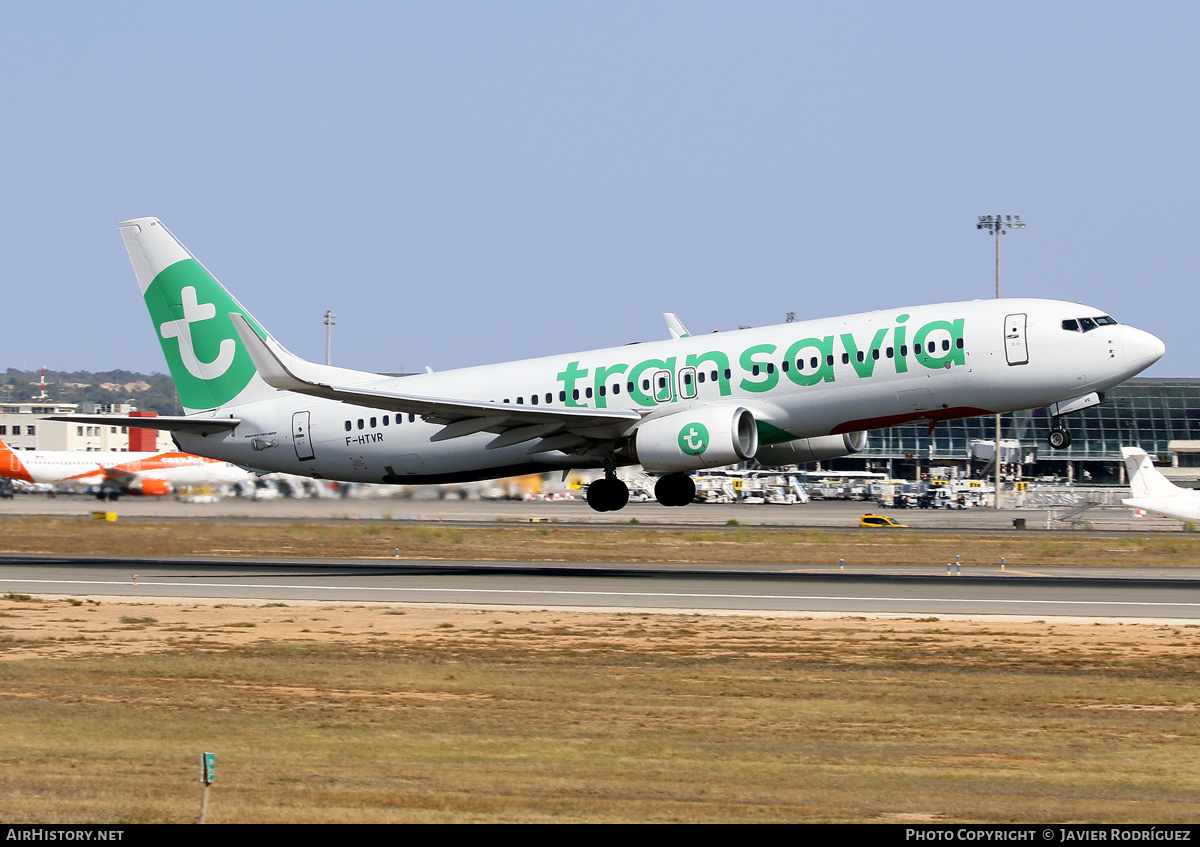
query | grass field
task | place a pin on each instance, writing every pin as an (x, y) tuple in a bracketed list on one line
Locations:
[(547, 542), (347, 713)]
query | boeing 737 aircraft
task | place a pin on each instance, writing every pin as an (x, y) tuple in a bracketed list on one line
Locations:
[(797, 392), (1153, 492), (112, 474)]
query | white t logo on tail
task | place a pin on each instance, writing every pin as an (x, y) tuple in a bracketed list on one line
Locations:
[(194, 311)]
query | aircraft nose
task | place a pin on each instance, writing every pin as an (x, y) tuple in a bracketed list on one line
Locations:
[(1141, 349)]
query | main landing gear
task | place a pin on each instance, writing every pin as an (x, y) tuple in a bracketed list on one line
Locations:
[(675, 489), (1059, 438), (608, 494)]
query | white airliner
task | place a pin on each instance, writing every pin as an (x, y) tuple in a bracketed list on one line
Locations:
[(112, 474), (1153, 492), (797, 392)]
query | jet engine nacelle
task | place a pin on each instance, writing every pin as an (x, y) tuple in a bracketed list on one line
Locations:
[(811, 449), (150, 487), (705, 437)]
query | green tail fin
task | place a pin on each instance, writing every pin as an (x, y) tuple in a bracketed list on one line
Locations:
[(190, 311)]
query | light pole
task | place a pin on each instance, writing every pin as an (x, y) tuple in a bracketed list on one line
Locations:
[(998, 225), (329, 316)]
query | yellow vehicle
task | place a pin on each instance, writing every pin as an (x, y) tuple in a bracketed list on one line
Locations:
[(879, 520)]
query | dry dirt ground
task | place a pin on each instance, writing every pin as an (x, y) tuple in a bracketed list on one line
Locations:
[(344, 713)]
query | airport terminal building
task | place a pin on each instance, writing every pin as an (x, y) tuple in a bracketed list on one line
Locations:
[(1162, 416)]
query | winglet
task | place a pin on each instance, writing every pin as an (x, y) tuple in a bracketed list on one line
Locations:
[(678, 330)]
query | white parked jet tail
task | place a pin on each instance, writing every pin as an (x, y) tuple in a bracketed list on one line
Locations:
[(1153, 492), (1145, 480)]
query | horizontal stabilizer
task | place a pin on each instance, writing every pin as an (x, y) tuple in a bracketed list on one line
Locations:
[(171, 423)]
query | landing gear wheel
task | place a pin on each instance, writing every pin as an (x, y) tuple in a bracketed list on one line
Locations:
[(675, 489), (608, 495), (1059, 439)]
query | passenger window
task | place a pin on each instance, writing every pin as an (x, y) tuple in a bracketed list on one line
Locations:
[(946, 344), (700, 376), (875, 354), (860, 356), (348, 426), (588, 393), (411, 418), (845, 358), (828, 360), (520, 401), (533, 399), (890, 350), (754, 370), (562, 396), (784, 365), (770, 367), (728, 373), (360, 423), (958, 342), (549, 397), (386, 419), (603, 390), (616, 388), (374, 423)]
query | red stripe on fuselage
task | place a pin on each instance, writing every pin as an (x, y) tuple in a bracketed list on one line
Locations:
[(931, 415)]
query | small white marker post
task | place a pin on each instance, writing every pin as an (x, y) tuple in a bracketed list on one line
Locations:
[(208, 764)]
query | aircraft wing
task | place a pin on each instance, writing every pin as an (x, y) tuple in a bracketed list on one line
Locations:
[(174, 423), (556, 426)]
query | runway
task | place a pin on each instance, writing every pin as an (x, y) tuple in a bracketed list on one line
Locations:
[(1076, 593)]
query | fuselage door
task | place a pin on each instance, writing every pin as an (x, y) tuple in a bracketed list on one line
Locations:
[(1016, 349), (301, 437), (687, 384), (664, 390)]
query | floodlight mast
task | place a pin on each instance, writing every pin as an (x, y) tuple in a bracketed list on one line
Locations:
[(998, 225), (329, 316)]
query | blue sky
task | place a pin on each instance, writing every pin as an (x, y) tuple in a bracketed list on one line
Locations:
[(474, 182)]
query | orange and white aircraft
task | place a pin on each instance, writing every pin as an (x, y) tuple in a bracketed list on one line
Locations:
[(112, 474)]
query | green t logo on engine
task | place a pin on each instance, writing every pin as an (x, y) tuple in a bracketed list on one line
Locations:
[(693, 439)]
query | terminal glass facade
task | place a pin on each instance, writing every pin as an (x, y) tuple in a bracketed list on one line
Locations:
[(1148, 413)]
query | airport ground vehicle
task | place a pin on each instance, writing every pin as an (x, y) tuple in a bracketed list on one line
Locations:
[(880, 521)]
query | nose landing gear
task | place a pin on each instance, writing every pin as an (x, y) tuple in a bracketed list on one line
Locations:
[(1059, 437)]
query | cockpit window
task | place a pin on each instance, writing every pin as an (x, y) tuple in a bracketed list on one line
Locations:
[(1088, 324)]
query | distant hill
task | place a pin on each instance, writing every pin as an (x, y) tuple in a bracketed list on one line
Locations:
[(155, 392)]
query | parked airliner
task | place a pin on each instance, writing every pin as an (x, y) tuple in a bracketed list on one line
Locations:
[(111, 473), (797, 392), (1153, 492)]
